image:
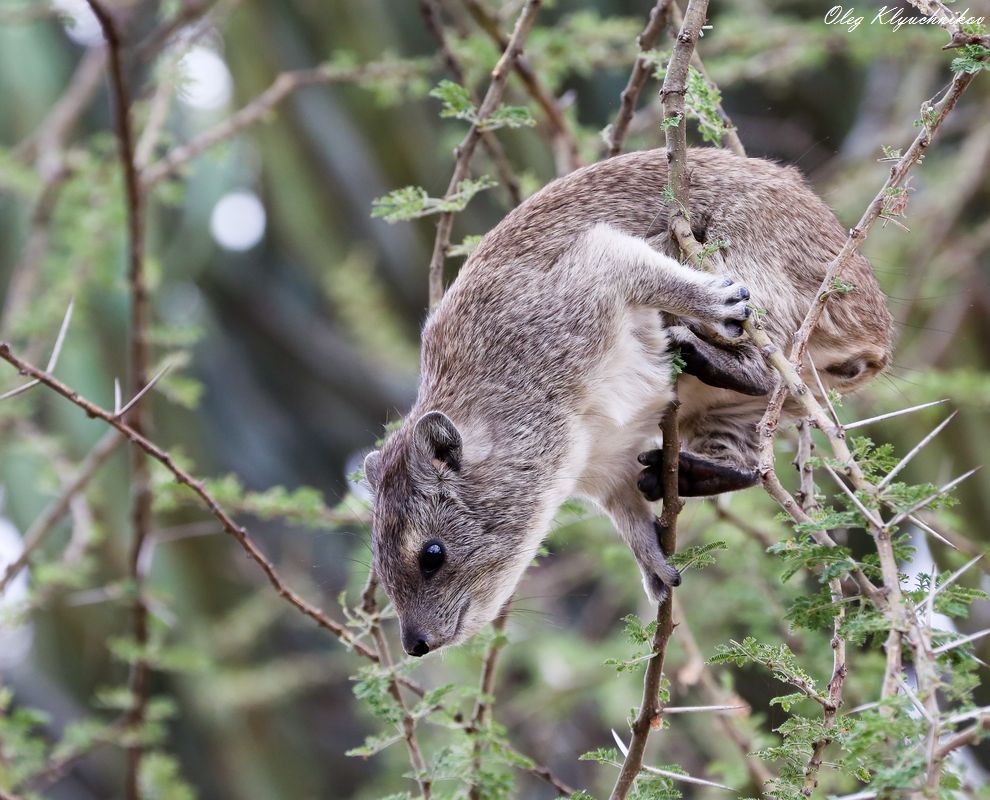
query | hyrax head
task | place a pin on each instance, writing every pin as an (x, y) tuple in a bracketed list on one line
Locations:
[(446, 564)]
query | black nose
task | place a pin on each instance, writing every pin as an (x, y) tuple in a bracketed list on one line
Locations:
[(415, 643), (420, 648)]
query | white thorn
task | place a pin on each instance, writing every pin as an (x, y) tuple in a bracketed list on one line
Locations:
[(116, 397), (942, 648), (951, 579), (821, 388), (917, 449), (19, 389), (674, 776), (692, 709), (144, 391), (928, 528), (948, 487), (866, 512), (892, 414), (60, 339)]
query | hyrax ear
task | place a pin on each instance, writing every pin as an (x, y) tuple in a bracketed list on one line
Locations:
[(373, 469), (439, 438)]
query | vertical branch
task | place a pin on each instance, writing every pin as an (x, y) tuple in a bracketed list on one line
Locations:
[(563, 141), (408, 723), (646, 41), (430, 12), (140, 419), (486, 688), (833, 699), (464, 151), (650, 712)]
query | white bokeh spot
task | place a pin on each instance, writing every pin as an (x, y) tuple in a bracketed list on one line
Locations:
[(81, 24), (238, 221), (206, 81), (15, 639)]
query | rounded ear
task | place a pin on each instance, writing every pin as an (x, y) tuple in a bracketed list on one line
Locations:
[(438, 437), (373, 469)]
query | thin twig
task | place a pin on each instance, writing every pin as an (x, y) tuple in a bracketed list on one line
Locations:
[(430, 11), (646, 41), (563, 140), (254, 111), (465, 150), (239, 532)]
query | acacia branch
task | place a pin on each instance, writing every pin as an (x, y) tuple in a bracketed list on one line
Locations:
[(650, 711), (254, 111), (238, 532), (141, 515), (465, 150), (430, 12), (36, 534), (730, 138), (563, 141), (932, 118), (646, 41)]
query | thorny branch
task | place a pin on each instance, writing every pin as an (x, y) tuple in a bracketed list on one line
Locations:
[(563, 140), (430, 11), (650, 711), (239, 532), (465, 150), (140, 417), (646, 41)]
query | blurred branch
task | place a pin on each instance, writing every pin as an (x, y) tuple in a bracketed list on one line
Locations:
[(140, 417), (646, 41), (698, 671), (239, 532), (465, 150), (564, 142), (430, 11), (284, 85), (35, 535), (486, 690)]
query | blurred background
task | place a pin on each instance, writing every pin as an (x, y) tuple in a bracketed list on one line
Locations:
[(291, 318)]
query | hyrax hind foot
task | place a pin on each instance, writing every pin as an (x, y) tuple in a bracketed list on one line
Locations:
[(696, 476), (659, 577)]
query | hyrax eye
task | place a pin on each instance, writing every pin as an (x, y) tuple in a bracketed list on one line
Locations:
[(431, 558)]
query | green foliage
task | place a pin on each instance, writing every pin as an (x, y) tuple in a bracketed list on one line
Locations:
[(457, 104), (699, 557), (413, 202), (971, 58), (777, 658)]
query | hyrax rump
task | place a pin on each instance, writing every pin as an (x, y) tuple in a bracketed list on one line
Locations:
[(548, 364)]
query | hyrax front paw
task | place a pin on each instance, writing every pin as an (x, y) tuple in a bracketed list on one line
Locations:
[(728, 308)]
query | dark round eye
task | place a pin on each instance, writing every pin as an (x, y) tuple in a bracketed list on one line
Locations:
[(431, 558)]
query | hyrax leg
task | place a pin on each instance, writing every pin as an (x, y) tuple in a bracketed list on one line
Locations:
[(696, 476), (720, 453), (634, 520), (649, 278), (739, 367)]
